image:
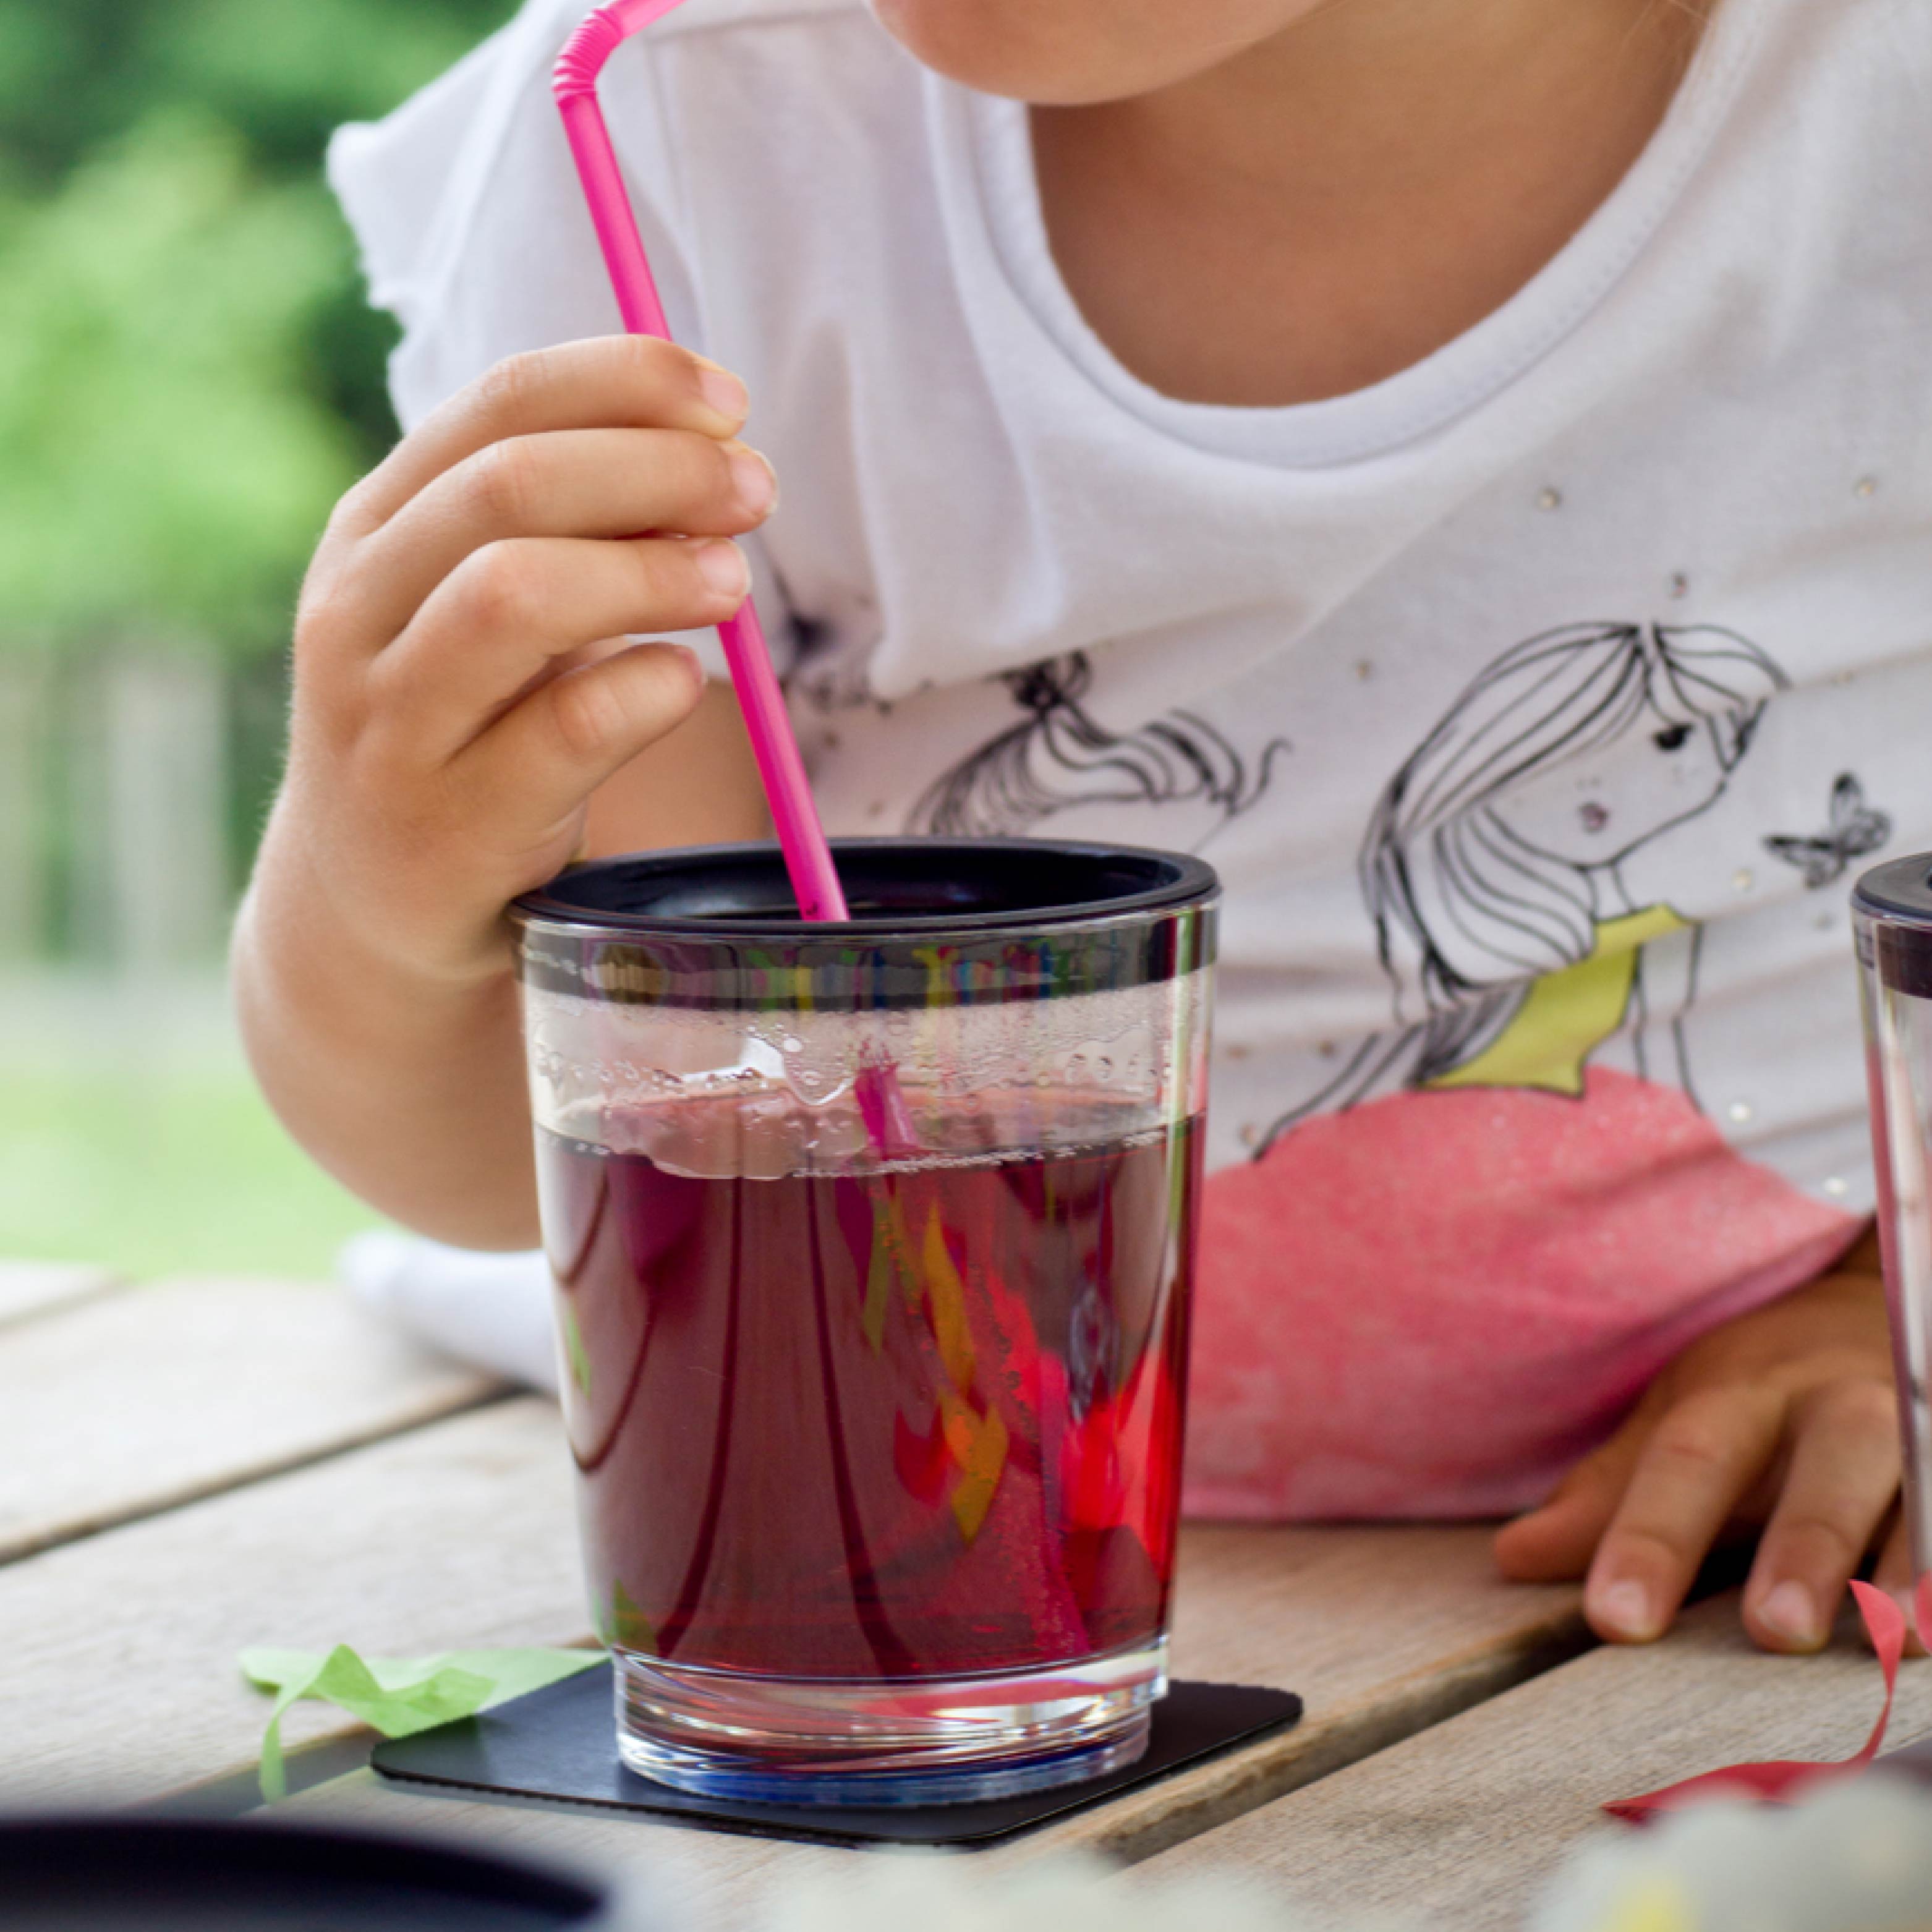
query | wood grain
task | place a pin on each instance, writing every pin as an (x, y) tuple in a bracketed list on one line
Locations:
[(1460, 1826), (31, 1289), (1382, 1630), (114, 1408), (120, 1681)]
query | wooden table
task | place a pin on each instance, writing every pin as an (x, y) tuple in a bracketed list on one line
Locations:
[(190, 1467)]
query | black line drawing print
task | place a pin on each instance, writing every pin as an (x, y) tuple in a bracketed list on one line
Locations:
[(1496, 855), (1853, 831), (1059, 756)]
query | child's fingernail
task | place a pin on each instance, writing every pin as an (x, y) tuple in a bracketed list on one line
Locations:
[(1789, 1612), (721, 390), (1625, 1608), (723, 568), (754, 479)]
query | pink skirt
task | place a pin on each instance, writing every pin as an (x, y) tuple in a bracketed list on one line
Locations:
[(1431, 1305)]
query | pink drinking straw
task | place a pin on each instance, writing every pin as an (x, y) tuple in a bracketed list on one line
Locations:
[(807, 858)]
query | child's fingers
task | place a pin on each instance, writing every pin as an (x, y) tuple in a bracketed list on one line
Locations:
[(1556, 1541), (510, 610), (570, 483), (1705, 1453), (1842, 1477), (1893, 1575), (543, 758), (612, 382)]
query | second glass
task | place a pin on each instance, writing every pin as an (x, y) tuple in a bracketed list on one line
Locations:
[(1891, 917), (873, 1246)]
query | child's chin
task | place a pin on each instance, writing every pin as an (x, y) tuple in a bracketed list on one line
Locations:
[(1028, 50), (1071, 53)]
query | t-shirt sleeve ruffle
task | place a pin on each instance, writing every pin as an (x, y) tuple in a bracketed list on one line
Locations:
[(474, 234)]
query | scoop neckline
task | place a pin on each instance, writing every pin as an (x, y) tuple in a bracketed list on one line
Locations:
[(1428, 395)]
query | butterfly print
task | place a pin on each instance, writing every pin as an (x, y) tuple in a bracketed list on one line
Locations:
[(1855, 830)]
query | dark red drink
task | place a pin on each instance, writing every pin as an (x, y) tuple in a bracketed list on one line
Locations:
[(920, 1421)]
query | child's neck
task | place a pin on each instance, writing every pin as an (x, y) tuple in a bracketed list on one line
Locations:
[(1331, 206)]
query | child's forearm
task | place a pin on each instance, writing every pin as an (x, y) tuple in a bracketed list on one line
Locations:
[(407, 1082), (409, 1089)]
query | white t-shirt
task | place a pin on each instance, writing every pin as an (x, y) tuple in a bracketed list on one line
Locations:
[(1536, 705)]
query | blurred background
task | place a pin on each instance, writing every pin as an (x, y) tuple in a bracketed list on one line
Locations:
[(189, 376)]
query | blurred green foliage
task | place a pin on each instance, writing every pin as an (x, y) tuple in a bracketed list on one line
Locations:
[(162, 453), (188, 372), (189, 375), (181, 1171)]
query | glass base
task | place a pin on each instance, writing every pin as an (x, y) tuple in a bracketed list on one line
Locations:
[(909, 1741)]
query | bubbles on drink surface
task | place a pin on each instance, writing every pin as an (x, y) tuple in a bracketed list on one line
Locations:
[(976, 1078)]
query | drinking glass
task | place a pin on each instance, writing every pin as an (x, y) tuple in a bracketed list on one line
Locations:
[(873, 1244), (1891, 919)]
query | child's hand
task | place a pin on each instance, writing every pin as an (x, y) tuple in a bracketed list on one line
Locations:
[(1785, 1418), (462, 680)]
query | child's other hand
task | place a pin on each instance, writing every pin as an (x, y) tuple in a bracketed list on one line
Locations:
[(1784, 1418), (463, 678)]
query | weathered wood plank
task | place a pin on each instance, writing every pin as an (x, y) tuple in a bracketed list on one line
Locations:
[(1459, 1826), (1382, 1630), (115, 1408), (29, 1289), (122, 1646), (120, 1682)]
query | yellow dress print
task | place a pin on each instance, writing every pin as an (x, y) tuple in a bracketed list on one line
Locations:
[(1567, 1015)]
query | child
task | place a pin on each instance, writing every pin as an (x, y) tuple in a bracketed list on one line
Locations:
[(1458, 464)]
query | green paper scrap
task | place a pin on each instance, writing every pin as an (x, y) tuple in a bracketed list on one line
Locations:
[(398, 1696)]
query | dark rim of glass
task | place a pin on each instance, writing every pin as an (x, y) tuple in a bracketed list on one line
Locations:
[(1147, 884), (1900, 890), (1894, 904)]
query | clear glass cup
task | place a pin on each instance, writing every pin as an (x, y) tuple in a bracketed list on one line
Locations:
[(873, 1246), (1891, 919)]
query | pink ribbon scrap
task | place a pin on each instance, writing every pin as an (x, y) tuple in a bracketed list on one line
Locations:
[(1780, 1781)]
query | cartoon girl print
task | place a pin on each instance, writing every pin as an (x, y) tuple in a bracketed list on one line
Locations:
[(1496, 864), (1059, 757)]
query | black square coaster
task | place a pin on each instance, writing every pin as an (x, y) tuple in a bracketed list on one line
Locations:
[(556, 1743)]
